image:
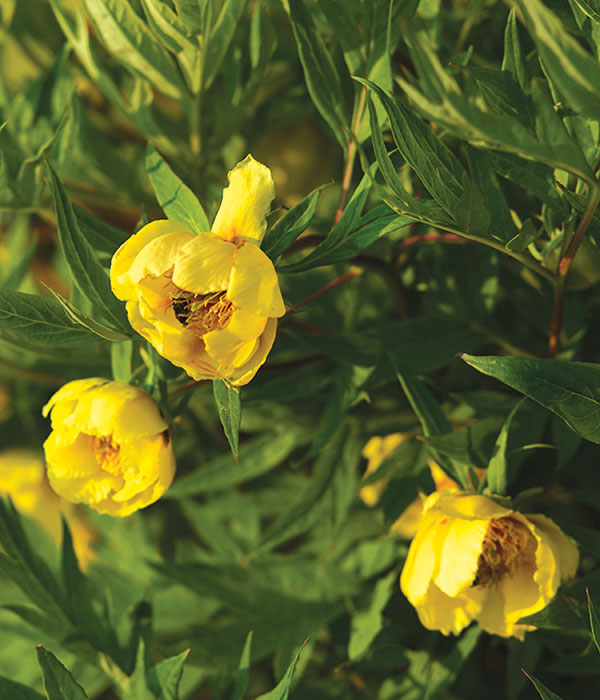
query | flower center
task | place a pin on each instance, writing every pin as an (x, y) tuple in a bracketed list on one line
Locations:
[(202, 313), (107, 453), (506, 545)]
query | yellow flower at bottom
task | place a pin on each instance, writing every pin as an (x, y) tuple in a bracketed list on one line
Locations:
[(209, 302), (109, 447), (23, 479), (472, 559)]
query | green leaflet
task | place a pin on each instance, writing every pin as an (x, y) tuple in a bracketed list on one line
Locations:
[(174, 196), (229, 407), (569, 389), (59, 684), (130, 40)]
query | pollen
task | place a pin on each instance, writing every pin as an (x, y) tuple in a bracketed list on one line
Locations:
[(507, 544), (107, 452), (202, 313)]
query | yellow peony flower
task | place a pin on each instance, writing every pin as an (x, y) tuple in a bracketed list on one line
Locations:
[(209, 303), (375, 451), (109, 447), (473, 559), (23, 479)]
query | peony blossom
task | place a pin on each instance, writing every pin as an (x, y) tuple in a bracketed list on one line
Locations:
[(209, 302), (109, 447), (23, 479), (473, 559)]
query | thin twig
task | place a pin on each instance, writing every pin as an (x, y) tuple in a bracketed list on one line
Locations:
[(563, 270), (347, 180), (330, 285)]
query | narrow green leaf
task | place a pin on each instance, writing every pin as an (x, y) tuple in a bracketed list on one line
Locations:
[(121, 355), (130, 40), (575, 72), (514, 60), (39, 320), (472, 215), (164, 678), (594, 620), (571, 390), (497, 474), (320, 74), (282, 690), (77, 316), (294, 222), (256, 457), (174, 196), (241, 676), (229, 406), (528, 233), (591, 8), (221, 34), (88, 274), (543, 692), (59, 684), (11, 690), (366, 624), (103, 237)]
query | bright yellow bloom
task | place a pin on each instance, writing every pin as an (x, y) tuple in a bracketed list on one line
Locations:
[(209, 303), (23, 479), (109, 447), (473, 559)]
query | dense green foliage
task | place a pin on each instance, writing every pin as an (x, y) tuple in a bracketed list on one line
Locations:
[(437, 166)]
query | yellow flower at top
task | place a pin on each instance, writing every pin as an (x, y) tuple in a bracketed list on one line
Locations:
[(209, 302), (23, 479), (109, 447), (473, 559)]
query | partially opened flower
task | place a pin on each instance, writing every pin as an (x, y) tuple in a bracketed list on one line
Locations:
[(109, 447), (473, 559), (209, 303), (23, 479)]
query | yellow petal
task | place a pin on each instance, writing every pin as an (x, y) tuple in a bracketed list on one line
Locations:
[(564, 550), (157, 257), (407, 524), (467, 506), (70, 459), (437, 611), (72, 390), (459, 558), (224, 345), (242, 375), (203, 264), (254, 285), (243, 210), (126, 254)]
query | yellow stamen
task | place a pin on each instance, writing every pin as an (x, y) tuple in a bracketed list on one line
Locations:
[(202, 313), (507, 543), (107, 454)]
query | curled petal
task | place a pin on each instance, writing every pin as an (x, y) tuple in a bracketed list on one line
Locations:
[(254, 286)]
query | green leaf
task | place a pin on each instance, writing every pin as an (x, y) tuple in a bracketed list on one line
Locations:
[(16, 691), (575, 73), (438, 169), (59, 684), (256, 457), (229, 407), (282, 689), (174, 196), (301, 514), (366, 624), (129, 39), (591, 8), (39, 320), (543, 692), (472, 215), (514, 59), (594, 620), (103, 237), (88, 274), (241, 676), (86, 321), (164, 678), (221, 34), (497, 471), (121, 355), (571, 390), (527, 235), (320, 73), (294, 222)]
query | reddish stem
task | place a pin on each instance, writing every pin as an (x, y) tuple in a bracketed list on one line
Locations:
[(330, 285)]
